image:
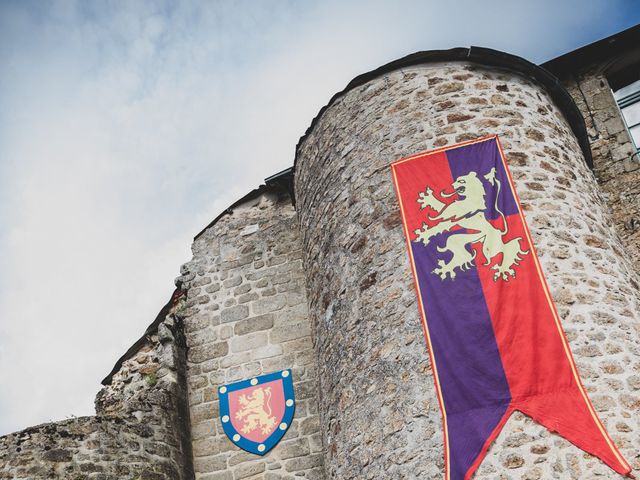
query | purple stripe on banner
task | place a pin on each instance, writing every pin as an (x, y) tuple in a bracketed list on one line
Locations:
[(472, 380), (481, 158)]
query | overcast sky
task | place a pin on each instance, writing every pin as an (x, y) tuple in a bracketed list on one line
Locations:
[(125, 127)]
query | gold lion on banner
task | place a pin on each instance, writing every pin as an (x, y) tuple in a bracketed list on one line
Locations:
[(468, 213)]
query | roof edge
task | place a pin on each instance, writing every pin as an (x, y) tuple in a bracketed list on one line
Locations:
[(481, 56), (152, 329), (282, 180), (618, 43)]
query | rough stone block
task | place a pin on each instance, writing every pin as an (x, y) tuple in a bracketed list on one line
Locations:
[(268, 305), (303, 344), (293, 448), (285, 333), (217, 476), (248, 470), (248, 342), (303, 463), (57, 455), (212, 446), (204, 412), (240, 456), (235, 313), (208, 352), (235, 359), (309, 426), (254, 324), (206, 335), (210, 464), (252, 369), (203, 429), (278, 363), (268, 351)]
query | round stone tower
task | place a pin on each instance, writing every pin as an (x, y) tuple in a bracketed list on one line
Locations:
[(378, 407)]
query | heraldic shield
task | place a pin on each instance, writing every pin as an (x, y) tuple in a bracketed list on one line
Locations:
[(257, 412)]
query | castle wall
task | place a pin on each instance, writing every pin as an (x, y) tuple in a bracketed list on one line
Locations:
[(618, 173), (326, 289), (139, 431), (247, 315), (378, 408)]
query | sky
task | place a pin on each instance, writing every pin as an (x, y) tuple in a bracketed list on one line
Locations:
[(127, 126)]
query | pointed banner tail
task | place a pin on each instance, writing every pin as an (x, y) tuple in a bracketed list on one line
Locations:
[(257, 412), (494, 336)]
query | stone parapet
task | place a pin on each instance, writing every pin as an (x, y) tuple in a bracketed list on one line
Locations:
[(247, 315)]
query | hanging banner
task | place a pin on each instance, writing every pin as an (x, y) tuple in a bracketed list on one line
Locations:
[(495, 340)]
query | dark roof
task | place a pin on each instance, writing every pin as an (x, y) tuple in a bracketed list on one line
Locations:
[(282, 180), (615, 53), (481, 56)]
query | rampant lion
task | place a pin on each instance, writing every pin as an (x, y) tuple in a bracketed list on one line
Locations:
[(255, 412), (468, 214)]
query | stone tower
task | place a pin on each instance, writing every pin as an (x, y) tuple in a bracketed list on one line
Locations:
[(369, 344), (310, 272)]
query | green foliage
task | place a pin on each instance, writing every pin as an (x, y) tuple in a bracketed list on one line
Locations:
[(151, 379)]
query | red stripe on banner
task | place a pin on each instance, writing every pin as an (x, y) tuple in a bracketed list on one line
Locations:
[(532, 354), (411, 177), (540, 369)]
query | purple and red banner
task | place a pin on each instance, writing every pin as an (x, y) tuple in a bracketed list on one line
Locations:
[(495, 340)]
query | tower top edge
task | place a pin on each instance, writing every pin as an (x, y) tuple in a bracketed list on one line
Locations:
[(484, 57)]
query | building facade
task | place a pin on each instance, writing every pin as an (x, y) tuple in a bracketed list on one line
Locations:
[(310, 272), (604, 80)]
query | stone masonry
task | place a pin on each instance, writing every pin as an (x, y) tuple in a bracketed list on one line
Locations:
[(247, 315), (313, 276), (138, 432), (615, 165), (371, 352)]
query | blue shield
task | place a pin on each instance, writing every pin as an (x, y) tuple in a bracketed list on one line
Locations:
[(256, 413)]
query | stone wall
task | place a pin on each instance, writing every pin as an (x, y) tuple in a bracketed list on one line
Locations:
[(140, 432), (617, 170), (247, 315), (379, 413), (327, 292)]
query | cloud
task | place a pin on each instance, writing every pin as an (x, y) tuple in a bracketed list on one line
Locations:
[(125, 127)]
